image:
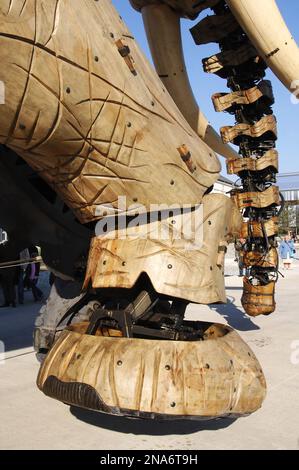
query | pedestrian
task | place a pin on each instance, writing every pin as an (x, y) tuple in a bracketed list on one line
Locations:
[(8, 277), (24, 255), (32, 275), (240, 246), (287, 252)]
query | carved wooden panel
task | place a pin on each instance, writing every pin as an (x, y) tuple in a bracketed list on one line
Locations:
[(270, 159), (175, 266), (224, 101), (214, 377), (261, 200), (258, 300), (256, 229), (217, 62), (77, 113), (267, 124)]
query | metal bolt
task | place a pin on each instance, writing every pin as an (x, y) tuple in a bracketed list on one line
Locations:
[(119, 363)]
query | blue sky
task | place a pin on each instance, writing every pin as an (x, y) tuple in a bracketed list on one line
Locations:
[(205, 85)]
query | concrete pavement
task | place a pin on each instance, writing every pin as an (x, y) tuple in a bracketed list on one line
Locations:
[(30, 420)]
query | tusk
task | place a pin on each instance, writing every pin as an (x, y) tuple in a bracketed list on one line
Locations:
[(162, 25), (267, 30)]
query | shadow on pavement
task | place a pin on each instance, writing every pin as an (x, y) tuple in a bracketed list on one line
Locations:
[(148, 427), (235, 317)]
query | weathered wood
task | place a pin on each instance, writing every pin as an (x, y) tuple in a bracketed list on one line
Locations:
[(266, 124), (256, 229), (175, 265), (215, 377), (258, 300), (81, 119), (261, 200), (225, 101), (268, 260), (270, 159), (219, 62)]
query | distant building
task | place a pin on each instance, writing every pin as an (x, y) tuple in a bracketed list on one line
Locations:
[(223, 186), (289, 187)]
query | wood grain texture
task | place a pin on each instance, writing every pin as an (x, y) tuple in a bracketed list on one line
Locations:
[(270, 159), (217, 62), (165, 251), (255, 229), (258, 300), (224, 101), (263, 199), (268, 260), (266, 124), (81, 119), (215, 377)]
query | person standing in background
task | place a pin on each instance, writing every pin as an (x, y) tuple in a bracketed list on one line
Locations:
[(239, 255), (286, 252), (24, 255), (32, 275)]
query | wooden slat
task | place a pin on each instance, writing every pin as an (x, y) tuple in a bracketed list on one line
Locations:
[(214, 377), (225, 101), (270, 159), (175, 265), (259, 199), (267, 124)]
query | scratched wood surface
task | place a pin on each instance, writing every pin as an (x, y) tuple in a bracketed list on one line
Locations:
[(209, 378), (92, 119), (182, 255)]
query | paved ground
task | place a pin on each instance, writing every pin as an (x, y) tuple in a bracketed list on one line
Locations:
[(29, 420)]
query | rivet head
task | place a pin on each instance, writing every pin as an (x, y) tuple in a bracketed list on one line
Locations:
[(167, 367), (172, 182), (207, 366), (124, 263), (68, 90), (96, 58), (104, 262), (129, 124), (169, 266), (173, 404), (119, 363)]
